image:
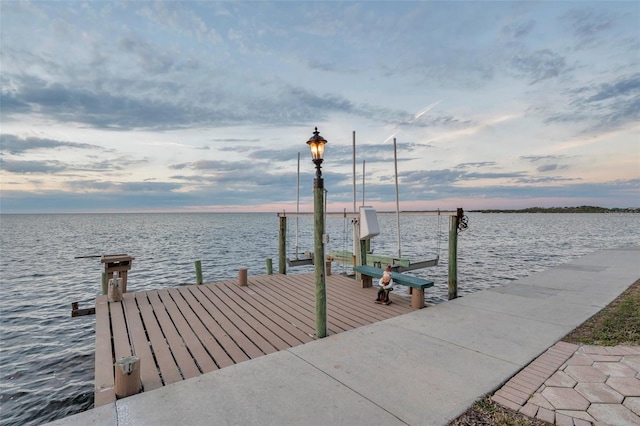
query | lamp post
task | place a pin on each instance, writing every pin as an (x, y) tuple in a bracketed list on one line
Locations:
[(316, 144)]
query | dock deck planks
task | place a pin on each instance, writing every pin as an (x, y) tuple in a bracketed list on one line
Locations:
[(186, 331)]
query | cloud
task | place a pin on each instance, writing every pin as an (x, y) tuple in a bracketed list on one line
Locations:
[(552, 167), (604, 106), (540, 65), (588, 24), (16, 145), (478, 164), (536, 158), (32, 166)]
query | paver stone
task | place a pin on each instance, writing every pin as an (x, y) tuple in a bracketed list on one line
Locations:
[(632, 361), (633, 404), (565, 399), (584, 373), (599, 392), (560, 379), (615, 369), (562, 420), (577, 415), (541, 401), (579, 359), (546, 415), (628, 386), (613, 414), (606, 358)]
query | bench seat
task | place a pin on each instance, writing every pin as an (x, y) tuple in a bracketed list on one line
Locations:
[(418, 284)]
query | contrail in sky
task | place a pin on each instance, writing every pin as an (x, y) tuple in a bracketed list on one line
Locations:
[(415, 117)]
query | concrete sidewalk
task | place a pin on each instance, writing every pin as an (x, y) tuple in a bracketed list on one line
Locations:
[(423, 368)]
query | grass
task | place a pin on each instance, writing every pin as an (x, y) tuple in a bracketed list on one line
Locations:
[(616, 324)]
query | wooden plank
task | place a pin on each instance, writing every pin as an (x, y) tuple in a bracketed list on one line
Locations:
[(246, 323), (104, 392), (121, 345), (181, 354), (264, 311), (345, 295), (219, 314), (195, 329), (338, 310), (230, 352), (305, 290), (149, 374), (298, 296), (199, 353), (214, 351), (350, 291), (168, 367), (301, 313)]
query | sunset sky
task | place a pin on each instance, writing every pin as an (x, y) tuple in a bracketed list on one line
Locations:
[(204, 106)]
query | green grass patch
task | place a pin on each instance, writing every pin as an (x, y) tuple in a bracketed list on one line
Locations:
[(616, 324)]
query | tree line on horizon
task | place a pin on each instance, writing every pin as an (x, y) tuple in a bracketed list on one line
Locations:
[(579, 209)]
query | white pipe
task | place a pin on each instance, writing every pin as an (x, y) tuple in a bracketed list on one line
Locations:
[(354, 171), (297, 204), (395, 162), (363, 161)]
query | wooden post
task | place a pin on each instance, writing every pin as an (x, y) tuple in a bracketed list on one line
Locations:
[(282, 246), (104, 283), (318, 257), (269, 266), (199, 272), (242, 277), (120, 263), (453, 257), (417, 298), (115, 288), (328, 266), (127, 377), (366, 280)]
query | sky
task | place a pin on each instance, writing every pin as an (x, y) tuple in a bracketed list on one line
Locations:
[(193, 106)]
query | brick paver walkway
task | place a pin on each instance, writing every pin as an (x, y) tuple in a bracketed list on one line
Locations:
[(578, 385)]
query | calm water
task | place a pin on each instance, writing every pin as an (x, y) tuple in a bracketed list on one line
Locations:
[(46, 362)]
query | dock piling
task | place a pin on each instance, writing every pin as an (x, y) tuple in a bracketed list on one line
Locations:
[(453, 257), (242, 277), (198, 265), (282, 246), (115, 288), (269, 266), (104, 283), (127, 376)]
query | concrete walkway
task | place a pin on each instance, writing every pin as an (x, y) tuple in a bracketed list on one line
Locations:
[(423, 368)]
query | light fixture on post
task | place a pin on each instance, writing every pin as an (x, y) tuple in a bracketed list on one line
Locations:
[(316, 144)]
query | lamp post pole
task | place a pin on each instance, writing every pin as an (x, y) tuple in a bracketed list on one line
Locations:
[(316, 143)]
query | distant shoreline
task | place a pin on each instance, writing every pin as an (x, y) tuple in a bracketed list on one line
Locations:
[(581, 209)]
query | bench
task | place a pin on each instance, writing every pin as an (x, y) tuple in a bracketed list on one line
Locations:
[(417, 285)]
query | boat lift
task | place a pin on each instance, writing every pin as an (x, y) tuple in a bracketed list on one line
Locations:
[(345, 257)]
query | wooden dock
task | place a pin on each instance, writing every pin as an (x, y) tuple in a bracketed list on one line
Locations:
[(182, 332)]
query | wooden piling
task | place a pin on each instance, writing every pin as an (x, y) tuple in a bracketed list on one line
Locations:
[(115, 288), (242, 277), (363, 261), (318, 257), (104, 284), (127, 376), (282, 246), (269, 266), (453, 257), (198, 265)]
